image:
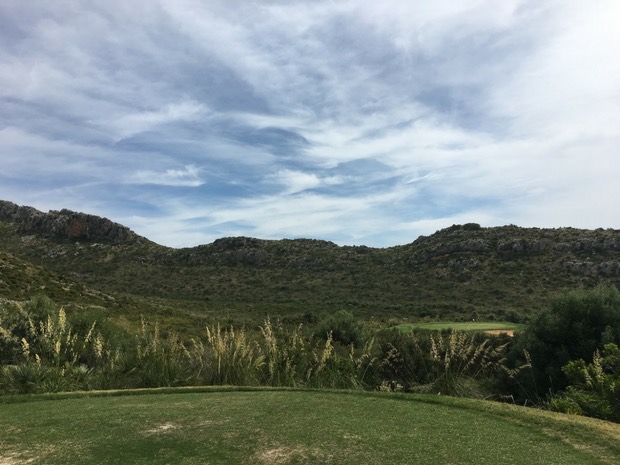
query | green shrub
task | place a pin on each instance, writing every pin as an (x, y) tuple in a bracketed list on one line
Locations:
[(594, 388), (68, 353), (573, 327), (15, 324), (40, 307), (231, 357), (343, 327), (26, 378), (33, 377), (563, 404), (403, 359)]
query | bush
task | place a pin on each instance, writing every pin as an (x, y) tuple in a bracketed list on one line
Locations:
[(27, 378), (231, 357), (462, 363), (594, 388), (285, 355), (10, 321), (18, 321), (573, 327), (40, 307), (343, 327)]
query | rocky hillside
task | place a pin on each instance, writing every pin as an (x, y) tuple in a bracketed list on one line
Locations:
[(65, 224), (462, 271), (582, 252)]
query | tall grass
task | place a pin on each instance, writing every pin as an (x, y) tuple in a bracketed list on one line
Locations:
[(50, 357), (285, 355), (230, 357), (54, 356), (460, 362), (158, 360), (449, 362)]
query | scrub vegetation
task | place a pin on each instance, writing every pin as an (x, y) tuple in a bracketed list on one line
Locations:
[(43, 349), (460, 273), (250, 338)]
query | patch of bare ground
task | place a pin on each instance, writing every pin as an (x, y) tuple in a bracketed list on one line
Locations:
[(589, 448), (507, 332), (285, 455), (161, 429), (14, 458)]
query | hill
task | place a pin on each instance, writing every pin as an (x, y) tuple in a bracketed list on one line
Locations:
[(461, 272)]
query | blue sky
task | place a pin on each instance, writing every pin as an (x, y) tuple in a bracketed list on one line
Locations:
[(351, 121)]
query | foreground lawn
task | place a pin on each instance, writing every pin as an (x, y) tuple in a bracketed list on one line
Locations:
[(462, 326), (294, 427)]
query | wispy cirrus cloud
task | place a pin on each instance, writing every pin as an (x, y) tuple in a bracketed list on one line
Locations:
[(299, 181), (130, 124), (358, 122), (189, 176)]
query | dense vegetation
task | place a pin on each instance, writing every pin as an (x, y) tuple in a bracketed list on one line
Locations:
[(127, 313), (459, 273), (42, 349)]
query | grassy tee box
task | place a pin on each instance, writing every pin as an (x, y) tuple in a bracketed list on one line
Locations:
[(296, 427), (461, 326)]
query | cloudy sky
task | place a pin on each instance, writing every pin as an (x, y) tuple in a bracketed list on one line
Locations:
[(360, 122)]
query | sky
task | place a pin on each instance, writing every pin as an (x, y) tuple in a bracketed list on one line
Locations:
[(362, 123)]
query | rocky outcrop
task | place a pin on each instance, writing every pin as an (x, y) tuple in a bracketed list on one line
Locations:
[(66, 224), (460, 250), (590, 268), (578, 251), (247, 251)]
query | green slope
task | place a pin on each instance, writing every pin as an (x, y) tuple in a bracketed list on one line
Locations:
[(294, 427), (460, 326), (461, 272)]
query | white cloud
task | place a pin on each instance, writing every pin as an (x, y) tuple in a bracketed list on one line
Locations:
[(135, 123), (296, 181), (28, 155), (299, 181), (568, 87), (189, 176), (346, 120)]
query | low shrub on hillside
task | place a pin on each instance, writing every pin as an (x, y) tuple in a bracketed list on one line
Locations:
[(574, 326), (342, 327), (594, 388)]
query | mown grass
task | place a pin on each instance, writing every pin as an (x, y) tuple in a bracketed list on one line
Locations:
[(237, 426), (461, 326)]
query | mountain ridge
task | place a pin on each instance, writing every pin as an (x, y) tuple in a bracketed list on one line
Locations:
[(460, 271), (66, 224)]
